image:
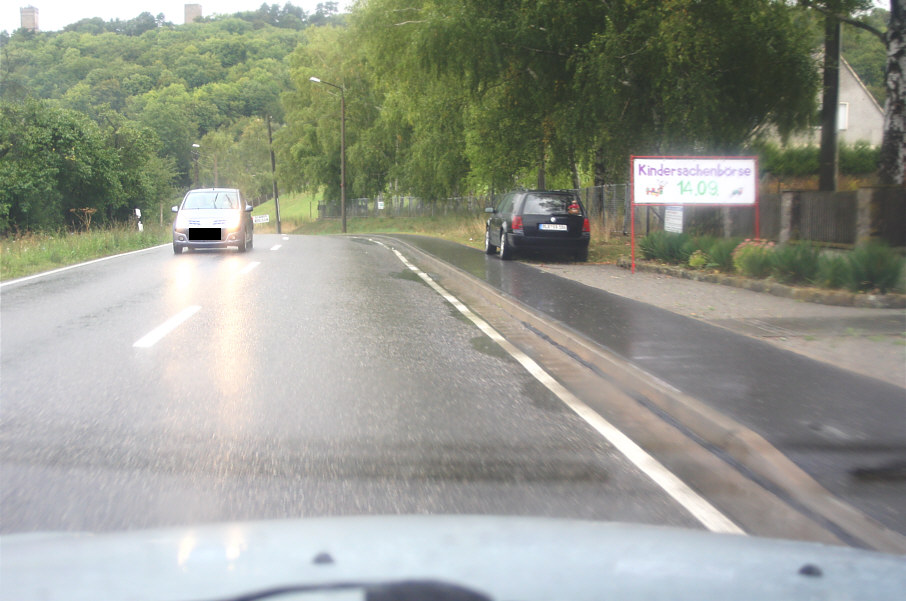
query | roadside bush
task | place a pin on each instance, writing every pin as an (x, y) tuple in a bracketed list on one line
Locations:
[(698, 259), (721, 254), (667, 247), (678, 248), (796, 263), (833, 272), (874, 266), (651, 246), (754, 258)]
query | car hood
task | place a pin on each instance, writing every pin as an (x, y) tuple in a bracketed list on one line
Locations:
[(502, 558)]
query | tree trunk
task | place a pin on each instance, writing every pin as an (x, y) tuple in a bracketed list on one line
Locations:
[(600, 168), (828, 157), (892, 164), (574, 168), (542, 179)]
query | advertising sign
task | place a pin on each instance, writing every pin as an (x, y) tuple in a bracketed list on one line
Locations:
[(694, 180)]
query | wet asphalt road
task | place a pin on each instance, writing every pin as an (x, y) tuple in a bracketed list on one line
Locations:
[(317, 376), (845, 430)]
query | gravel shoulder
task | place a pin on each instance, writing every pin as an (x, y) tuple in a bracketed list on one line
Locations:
[(871, 342)]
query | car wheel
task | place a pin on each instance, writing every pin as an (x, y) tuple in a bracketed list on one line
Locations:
[(242, 243), (251, 241), (177, 249), (582, 255), (488, 247), (506, 251)]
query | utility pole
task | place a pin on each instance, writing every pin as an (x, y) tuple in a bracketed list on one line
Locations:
[(195, 152), (828, 157), (270, 141)]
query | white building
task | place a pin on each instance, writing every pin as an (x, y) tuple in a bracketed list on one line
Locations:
[(859, 116)]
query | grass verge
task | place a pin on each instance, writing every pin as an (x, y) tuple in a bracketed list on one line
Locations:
[(31, 253)]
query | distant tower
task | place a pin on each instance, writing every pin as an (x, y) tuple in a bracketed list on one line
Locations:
[(193, 11), (29, 16)]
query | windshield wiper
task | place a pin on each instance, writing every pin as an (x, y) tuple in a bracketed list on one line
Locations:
[(403, 590)]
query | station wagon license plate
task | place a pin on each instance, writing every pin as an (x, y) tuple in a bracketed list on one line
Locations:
[(553, 227), (204, 234)]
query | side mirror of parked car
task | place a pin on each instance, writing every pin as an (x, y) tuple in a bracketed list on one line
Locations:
[(174, 209), (490, 210), (249, 208)]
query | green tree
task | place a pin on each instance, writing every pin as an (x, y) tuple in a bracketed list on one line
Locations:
[(170, 113), (309, 145), (51, 161), (553, 85)]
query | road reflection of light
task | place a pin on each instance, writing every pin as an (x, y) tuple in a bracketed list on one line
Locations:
[(186, 546), (229, 345), (183, 275)]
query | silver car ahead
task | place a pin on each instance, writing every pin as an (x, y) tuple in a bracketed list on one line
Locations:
[(213, 218)]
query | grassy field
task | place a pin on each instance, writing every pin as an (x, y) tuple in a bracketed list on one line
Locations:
[(295, 210), (35, 252)]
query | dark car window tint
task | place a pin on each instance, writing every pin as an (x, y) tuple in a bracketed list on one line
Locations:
[(547, 205)]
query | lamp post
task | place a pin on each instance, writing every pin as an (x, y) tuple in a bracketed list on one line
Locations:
[(342, 147), (195, 152)]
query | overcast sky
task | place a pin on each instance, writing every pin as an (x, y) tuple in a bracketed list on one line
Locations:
[(54, 15)]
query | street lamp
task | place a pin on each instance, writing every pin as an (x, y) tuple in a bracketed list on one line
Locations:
[(342, 147), (195, 152)]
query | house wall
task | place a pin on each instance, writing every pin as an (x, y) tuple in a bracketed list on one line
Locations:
[(859, 119), (864, 120)]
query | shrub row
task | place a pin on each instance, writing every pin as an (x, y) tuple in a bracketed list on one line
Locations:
[(874, 266)]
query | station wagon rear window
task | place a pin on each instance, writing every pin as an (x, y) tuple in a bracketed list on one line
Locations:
[(536, 204)]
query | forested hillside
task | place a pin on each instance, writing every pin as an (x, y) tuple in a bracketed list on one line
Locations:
[(104, 114), (443, 97)]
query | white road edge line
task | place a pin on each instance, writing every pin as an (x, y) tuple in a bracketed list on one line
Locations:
[(276, 247), (154, 336), (68, 267), (711, 517), (249, 267)]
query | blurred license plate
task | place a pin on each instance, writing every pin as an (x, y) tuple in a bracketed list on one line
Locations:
[(204, 234), (553, 227)]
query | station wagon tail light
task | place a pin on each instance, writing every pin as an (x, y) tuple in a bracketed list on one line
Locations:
[(517, 224), (586, 227)]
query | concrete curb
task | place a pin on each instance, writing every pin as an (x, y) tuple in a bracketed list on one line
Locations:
[(745, 446), (840, 298)]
